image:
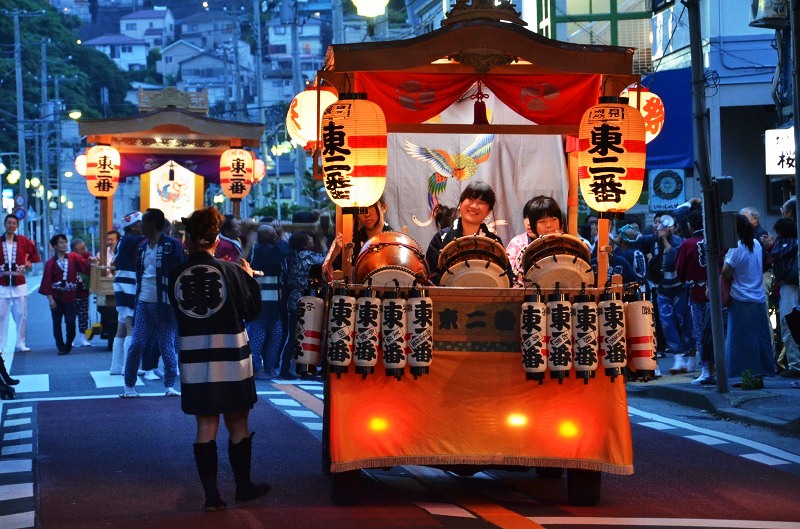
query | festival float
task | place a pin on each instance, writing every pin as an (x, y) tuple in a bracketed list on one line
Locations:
[(475, 375)]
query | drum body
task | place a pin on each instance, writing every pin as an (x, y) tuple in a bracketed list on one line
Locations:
[(391, 256), (474, 261), (557, 258)]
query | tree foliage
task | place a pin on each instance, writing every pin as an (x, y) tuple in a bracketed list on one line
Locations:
[(81, 72)]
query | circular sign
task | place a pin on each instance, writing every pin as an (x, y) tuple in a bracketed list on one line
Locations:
[(668, 185), (19, 200), (19, 213)]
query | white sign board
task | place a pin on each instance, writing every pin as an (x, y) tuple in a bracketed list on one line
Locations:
[(779, 151), (667, 188)]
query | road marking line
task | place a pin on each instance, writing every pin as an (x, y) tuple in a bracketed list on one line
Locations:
[(22, 409), (18, 520), (16, 422), (313, 425), (16, 491), (444, 509), (305, 414), (13, 436), (103, 380), (765, 459), (10, 450), (473, 502), (284, 402), (761, 447), (33, 383), (312, 403), (706, 440), (657, 425), (664, 522), (9, 466)]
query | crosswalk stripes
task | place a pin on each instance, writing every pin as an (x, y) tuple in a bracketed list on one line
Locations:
[(739, 446), (289, 405), (17, 502)]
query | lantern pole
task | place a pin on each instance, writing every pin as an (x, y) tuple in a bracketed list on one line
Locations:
[(236, 207)]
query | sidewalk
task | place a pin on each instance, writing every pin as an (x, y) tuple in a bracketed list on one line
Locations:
[(776, 406)]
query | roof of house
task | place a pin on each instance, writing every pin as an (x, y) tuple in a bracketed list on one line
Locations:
[(205, 16), (112, 39), (180, 42), (146, 14)]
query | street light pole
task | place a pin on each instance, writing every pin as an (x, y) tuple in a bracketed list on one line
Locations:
[(23, 160)]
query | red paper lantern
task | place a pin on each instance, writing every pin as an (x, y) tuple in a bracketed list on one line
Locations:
[(102, 170), (302, 123), (651, 107), (236, 173), (354, 151), (611, 157)]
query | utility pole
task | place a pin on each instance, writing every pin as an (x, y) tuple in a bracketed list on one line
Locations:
[(794, 19), (710, 206), (44, 219), (297, 78), (23, 159), (260, 90)]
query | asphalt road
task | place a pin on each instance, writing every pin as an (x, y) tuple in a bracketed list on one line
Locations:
[(75, 455)]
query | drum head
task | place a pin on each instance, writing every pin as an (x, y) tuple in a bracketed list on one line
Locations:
[(553, 244), (474, 273), (473, 247), (566, 270), (390, 250), (390, 276)]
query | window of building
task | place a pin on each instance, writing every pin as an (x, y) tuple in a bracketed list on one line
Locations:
[(604, 22), (130, 26), (280, 30)]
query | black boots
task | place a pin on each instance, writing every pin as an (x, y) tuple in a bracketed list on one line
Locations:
[(4, 374), (205, 455), (240, 456)]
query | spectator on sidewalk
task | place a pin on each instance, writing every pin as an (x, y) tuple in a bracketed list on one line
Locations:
[(60, 284), (785, 281), (690, 264), (211, 300), (747, 345)]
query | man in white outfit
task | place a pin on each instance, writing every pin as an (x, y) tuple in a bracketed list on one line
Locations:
[(18, 253)]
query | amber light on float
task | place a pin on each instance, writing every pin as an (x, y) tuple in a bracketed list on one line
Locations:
[(517, 420), (568, 429), (354, 152), (378, 424), (611, 157)]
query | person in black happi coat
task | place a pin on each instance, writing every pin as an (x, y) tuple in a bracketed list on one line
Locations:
[(212, 299)]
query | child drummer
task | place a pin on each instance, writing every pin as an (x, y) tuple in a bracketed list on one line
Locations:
[(474, 206)]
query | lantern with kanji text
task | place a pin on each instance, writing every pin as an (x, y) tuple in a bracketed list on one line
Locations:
[(354, 151), (304, 117), (611, 157), (102, 170), (651, 107), (236, 173)]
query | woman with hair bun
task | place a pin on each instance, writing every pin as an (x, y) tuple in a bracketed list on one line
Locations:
[(212, 299)]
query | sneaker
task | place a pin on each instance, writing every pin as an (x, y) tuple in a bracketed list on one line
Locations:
[(150, 375), (83, 341), (22, 349), (140, 372), (709, 381), (129, 393), (171, 393)]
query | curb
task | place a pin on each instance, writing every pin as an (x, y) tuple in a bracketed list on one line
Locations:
[(717, 404)]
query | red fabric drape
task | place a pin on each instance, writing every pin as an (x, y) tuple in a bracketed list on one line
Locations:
[(542, 99)]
